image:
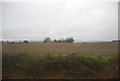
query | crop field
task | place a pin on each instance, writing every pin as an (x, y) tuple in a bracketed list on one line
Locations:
[(62, 48), (60, 61)]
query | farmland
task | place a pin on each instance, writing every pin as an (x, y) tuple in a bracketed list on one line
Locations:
[(60, 60), (62, 48)]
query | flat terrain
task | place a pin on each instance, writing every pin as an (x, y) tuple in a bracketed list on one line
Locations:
[(62, 48), (99, 61)]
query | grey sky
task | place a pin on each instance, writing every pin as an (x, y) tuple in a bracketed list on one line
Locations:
[(0, 20), (84, 21)]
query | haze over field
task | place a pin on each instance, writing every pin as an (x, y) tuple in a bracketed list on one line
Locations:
[(84, 21), (38, 39)]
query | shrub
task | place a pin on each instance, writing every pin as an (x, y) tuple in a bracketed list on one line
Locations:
[(68, 65), (95, 61)]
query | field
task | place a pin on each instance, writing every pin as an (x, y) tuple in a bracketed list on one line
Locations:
[(60, 60), (107, 48)]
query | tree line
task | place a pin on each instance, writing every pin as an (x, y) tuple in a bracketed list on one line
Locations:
[(68, 40), (13, 42), (46, 40)]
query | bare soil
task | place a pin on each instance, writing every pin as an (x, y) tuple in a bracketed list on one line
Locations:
[(106, 48)]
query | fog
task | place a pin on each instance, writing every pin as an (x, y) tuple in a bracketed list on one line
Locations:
[(84, 21)]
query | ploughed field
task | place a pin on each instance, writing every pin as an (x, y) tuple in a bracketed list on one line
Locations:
[(106, 48)]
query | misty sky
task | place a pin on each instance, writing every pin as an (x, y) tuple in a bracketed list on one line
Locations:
[(84, 21)]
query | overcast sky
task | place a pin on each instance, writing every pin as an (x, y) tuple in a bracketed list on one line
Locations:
[(84, 21)]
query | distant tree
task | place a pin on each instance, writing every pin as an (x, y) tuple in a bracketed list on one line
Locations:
[(115, 40), (55, 40), (3, 42), (62, 40), (47, 40), (7, 42), (12, 42), (25, 41), (59, 41), (70, 40)]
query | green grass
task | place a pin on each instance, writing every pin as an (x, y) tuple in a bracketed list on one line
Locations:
[(52, 65)]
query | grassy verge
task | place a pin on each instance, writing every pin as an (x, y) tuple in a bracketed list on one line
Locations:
[(54, 66)]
